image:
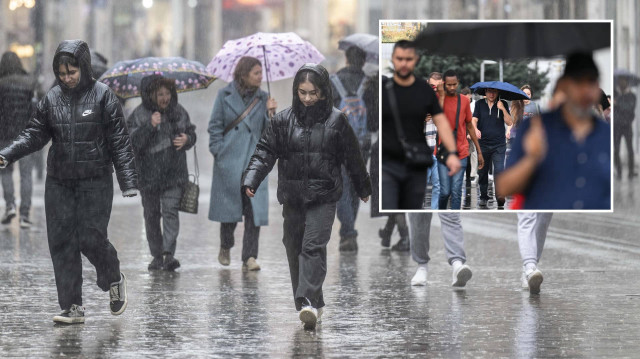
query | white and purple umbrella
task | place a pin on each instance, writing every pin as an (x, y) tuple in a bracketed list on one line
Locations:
[(281, 55)]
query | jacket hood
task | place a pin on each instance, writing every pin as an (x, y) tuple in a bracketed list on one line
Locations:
[(80, 51), (10, 64), (149, 84), (322, 108)]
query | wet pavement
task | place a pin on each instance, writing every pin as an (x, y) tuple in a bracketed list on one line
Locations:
[(589, 305)]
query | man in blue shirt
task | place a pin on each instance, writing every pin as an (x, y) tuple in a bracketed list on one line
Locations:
[(562, 160), (489, 118)]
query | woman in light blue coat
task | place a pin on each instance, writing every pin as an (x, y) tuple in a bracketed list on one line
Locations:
[(232, 142)]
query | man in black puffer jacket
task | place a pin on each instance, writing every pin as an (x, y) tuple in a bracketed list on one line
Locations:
[(16, 93), (312, 140), (84, 120)]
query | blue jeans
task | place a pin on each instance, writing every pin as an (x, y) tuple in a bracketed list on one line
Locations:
[(451, 186), (495, 156), (348, 205), (434, 178)]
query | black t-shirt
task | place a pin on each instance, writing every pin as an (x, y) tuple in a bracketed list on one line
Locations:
[(491, 123), (414, 103)]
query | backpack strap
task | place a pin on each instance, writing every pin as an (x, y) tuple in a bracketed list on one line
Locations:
[(338, 84), (360, 91)]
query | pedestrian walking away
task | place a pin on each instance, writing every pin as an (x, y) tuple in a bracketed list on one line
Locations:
[(348, 86), (458, 112), (452, 235), (406, 102), (561, 160), (17, 91), (161, 133), (532, 232), (84, 121), (624, 113), (240, 115), (311, 140), (489, 118)]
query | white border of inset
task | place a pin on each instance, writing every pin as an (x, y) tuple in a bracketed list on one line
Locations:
[(380, 62)]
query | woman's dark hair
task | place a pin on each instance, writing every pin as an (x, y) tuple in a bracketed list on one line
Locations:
[(10, 64), (323, 86), (68, 60), (243, 68)]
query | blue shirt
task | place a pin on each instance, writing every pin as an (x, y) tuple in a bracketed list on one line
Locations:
[(573, 175), (491, 123)]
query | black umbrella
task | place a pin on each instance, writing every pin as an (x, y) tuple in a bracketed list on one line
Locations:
[(633, 79), (367, 42), (514, 40)]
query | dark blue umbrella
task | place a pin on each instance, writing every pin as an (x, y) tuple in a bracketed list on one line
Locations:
[(633, 79), (506, 90)]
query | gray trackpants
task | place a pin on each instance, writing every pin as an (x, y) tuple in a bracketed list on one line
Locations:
[(532, 232), (26, 185), (420, 227), (162, 205)]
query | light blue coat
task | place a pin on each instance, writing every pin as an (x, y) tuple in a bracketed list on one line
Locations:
[(231, 154)]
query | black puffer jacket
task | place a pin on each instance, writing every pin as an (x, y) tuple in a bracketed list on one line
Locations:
[(16, 92), (159, 164), (311, 149), (85, 124)]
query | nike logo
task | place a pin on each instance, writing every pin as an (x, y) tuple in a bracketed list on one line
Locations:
[(87, 113)]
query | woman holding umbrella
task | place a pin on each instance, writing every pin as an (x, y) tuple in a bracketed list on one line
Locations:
[(312, 140), (240, 114), (161, 133)]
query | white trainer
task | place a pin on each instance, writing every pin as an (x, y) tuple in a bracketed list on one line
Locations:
[(461, 276), (309, 317), (420, 278), (534, 280)]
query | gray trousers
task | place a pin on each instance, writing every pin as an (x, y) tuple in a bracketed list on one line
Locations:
[(26, 185), (251, 236), (420, 227), (162, 205), (307, 231), (532, 232)]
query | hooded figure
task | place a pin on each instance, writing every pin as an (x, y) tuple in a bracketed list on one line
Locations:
[(84, 121), (162, 165), (311, 140), (16, 94)]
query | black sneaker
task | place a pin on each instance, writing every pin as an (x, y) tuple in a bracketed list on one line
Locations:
[(73, 315), (402, 245), (25, 222), (348, 244), (9, 214), (170, 263), (482, 203), (118, 296), (156, 264), (386, 238)]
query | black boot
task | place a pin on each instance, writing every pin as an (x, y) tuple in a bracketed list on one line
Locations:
[(348, 244), (402, 245), (386, 237)]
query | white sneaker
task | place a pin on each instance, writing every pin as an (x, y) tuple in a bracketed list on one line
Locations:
[(309, 317), (461, 276), (320, 312), (420, 278), (73, 315), (534, 280), (524, 282)]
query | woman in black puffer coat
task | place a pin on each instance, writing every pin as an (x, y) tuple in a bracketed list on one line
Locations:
[(161, 133), (312, 140), (84, 121)]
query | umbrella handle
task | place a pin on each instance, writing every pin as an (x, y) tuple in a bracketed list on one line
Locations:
[(266, 65)]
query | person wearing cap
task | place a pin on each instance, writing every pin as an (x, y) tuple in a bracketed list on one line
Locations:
[(561, 160), (311, 141)]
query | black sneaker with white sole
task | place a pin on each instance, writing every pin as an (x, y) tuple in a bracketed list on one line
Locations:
[(9, 214), (25, 223), (118, 296), (73, 315)]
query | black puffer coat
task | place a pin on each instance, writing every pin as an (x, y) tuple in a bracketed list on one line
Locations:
[(311, 150), (159, 164), (16, 92), (85, 124)]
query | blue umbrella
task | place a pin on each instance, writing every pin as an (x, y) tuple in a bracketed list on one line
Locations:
[(506, 90)]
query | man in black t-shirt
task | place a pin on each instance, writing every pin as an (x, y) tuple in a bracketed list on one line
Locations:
[(403, 186)]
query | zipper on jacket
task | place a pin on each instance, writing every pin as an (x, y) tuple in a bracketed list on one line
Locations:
[(306, 136), (73, 131)]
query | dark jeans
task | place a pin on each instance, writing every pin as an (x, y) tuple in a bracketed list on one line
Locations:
[(400, 220), (26, 185), (251, 232), (163, 205), (307, 231), (78, 213), (402, 187), (626, 131), (492, 155)]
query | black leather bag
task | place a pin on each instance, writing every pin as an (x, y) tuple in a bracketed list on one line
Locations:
[(442, 153), (191, 191), (414, 152)]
